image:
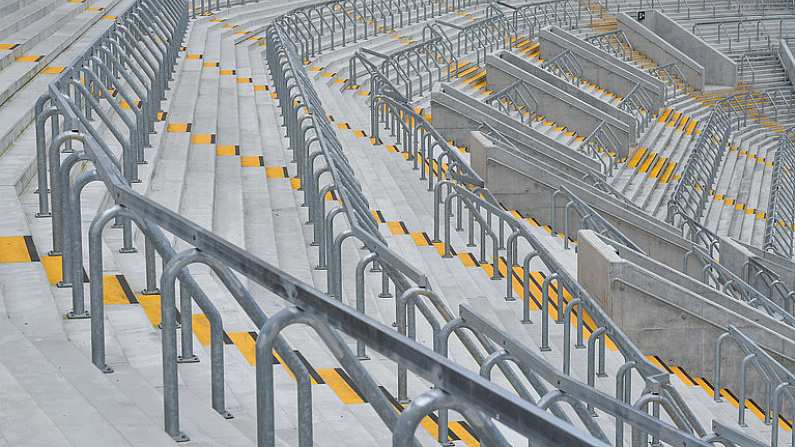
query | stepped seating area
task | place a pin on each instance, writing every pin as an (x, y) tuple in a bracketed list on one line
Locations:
[(238, 149)]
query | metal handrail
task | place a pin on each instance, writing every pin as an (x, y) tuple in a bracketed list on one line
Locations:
[(515, 98), (530, 17), (722, 279), (780, 219), (590, 219), (612, 42), (565, 65), (602, 145), (762, 278)]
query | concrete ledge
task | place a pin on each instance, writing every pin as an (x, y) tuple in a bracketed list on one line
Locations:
[(659, 50), (455, 114), (787, 60), (719, 69), (671, 315), (599, 66), (558, 105)]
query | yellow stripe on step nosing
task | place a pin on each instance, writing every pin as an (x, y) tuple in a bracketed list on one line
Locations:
[(647, 162), (116, 290), (15, 249), (342, 385), (151, 306), (661, 161), (666, 177), (636, 157), (276, 172)]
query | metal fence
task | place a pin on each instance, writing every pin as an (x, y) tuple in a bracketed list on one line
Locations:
[(780, 219)]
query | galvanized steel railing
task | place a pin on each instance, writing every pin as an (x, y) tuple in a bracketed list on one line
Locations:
[(515, 99), (613, 42), (328, 24), (767, 281), (722, 279), (566, 66), (691, 194), (590, 219), (482, 36), (159, 44), (778, 380), (780, 220), (639, 102), (529, 18), (602, 145)]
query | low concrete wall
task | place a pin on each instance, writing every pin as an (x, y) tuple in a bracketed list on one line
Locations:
[(659, 50), (559, 106), (526, 183), (455, 114), (719, 69), (665, 317), (535, 70), (598, 66), (787, 59)]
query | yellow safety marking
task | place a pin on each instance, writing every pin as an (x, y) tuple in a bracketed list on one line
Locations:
[(647, 162), (682, 123), (636, 157), (691, 127), (246, 345), (397, 227), (111, 18), (227, 72), (295, 183), (343, 126), (151, 306), (276, 172), (202, 138), (463, 434), (251, 161), (468, 259), (227, 150), (201, 328), (113, 292), (359, 133), (14, 249), (666, 177), (341, 387), (315, 69), (261, 88), (8, 46), (194, 56), (655, 171), (53, 268), (53, 69), (683, 376), (245, 80), (95, 9), (29, 58), (664, 116), (178, 127), (211, 65), (674, 119), (161, 116), (420, 238), (467, 71)]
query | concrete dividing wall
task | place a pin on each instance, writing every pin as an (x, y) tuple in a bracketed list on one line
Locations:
[(535, 70), (455, 114), (598, 66), (559, 106), (659, 50), (787, 60), (526, 183), (719, 69), (665, 317)]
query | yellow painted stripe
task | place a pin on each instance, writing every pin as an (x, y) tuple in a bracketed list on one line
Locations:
[(340, 386), (397, 227), (636, 157), (674, 119), (691, 127), (658, 167), (202, 138), (647, 163), (14, 249), (669, 170), (151, 306), (201, 328), (276, 172), (419, 239), (225, 150), (468, 259), (249, 161), (664, 116), (53, 268), (246, 345), (113, 292)]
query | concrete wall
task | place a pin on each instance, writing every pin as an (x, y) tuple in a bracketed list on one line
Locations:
[(787, 59), (455, 114), (663, 316), (535, 70), (559, 106), (659, 50), (719, 69), (598, 66), (526, 183)]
